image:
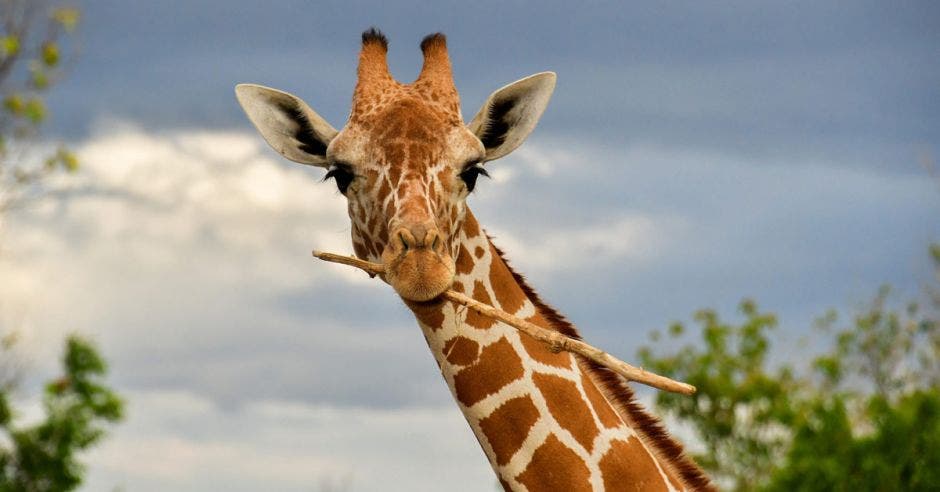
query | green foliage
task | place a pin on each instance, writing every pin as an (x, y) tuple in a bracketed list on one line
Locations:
[(32, 39), (862, 415), (829, 453), (739, 404), (42, 457)]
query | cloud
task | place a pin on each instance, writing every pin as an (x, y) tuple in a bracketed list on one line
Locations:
[(762, 82), (620, 241), (176, 440), (190, 251), (704, 229)]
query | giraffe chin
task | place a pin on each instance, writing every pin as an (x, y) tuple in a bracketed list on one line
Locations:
[(420, 275)]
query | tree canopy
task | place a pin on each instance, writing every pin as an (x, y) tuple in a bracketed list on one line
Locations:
[(43, 456), (862, 414), (34, 35)]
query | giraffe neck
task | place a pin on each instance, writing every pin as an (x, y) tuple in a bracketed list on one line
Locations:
[(539, 416)]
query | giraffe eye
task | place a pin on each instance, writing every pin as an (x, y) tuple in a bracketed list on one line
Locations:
[(342, 174), (470, 174)]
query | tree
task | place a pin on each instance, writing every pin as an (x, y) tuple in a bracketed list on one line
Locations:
[(740, 401), (42, 457), (862, 415), (31, 62)]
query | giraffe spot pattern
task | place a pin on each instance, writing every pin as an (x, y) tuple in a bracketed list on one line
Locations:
[(508, 426), (497, 366), (627, 466), (508, 293), (553, 468), (539, 351), (464, 264), (474, 318), (605, 413), (471, 227), (568, 407), (461, 351), (429, 313)]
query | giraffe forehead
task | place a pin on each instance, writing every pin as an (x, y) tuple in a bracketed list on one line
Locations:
[(412, 123), (376, 101), (412, 137)]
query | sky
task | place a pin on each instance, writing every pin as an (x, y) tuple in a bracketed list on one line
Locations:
[(691, 156)]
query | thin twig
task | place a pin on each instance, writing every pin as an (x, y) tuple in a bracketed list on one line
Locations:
[(555, 340)]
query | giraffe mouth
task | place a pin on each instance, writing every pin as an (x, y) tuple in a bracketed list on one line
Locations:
[(419, 274)]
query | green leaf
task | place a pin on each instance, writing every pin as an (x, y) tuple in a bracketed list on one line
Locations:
[(6, 414), (35, 110), (39, 78), (14, 104), (68, 160), (676, 329), (9, 46), (50, 53), (67, 17), (63, 158)]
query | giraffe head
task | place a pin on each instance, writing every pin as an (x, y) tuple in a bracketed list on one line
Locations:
[(405, 161)]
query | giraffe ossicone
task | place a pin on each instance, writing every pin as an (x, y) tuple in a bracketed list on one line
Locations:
[(406, 162)]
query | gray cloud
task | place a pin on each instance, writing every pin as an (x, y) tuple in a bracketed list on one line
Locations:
[(850, 84)]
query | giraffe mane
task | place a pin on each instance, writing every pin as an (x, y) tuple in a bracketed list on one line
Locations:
[(620, 395)]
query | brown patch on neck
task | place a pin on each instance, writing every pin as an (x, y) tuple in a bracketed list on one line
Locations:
[(474, 318), (555, 467), (461, 351), (464, 263), (539, 352), (507, 428), (629, 463), (471, 227), (615, 390), (606, 414), (497, 366), (508, 293), (567, 407), (430, 313)]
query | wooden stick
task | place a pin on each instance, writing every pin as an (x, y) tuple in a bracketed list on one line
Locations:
[(555, 340), (368, 266)]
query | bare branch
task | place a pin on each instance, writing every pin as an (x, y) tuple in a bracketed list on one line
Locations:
[(555, 340)]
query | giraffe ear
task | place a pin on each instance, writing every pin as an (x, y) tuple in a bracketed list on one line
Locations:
[(511, 113), (287, 123)]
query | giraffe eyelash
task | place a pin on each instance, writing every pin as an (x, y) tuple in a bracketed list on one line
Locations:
[(470, 174), (342, 174)]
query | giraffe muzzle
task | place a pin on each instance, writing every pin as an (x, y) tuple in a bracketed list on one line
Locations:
[(418, 265)]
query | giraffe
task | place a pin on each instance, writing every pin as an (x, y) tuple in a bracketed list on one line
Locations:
[(406, 162)]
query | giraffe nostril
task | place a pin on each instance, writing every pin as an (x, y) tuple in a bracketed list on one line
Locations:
[(417, 238)]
